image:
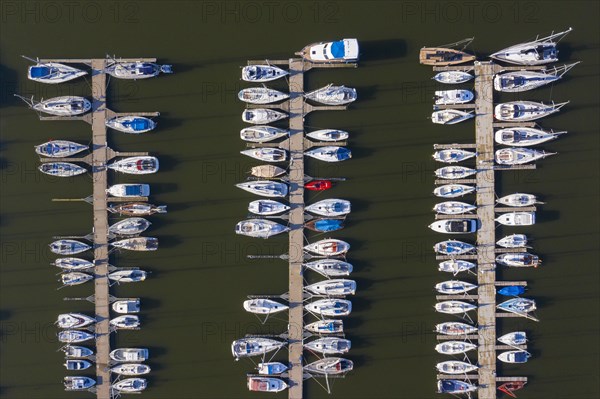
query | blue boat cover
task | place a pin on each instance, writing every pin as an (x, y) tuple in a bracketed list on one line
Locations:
[(39, 71), (337, 49), (137, 124), (133, 190), (521, 357), (328, 225), (452, 386), (343, 154), (146, 69), (513, 290)]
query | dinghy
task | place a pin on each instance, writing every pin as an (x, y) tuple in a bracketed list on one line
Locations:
[(267, 207), (328, 247), (330, 207), (137, 244), (129, 190), (450, 116), (262, 73), (266, 171), (265, 188), (453, 247), (78, 383), (266, 154), (53, 72), (128, 276), (329, 153), (454, 172), (330, 366), (537, 52), (341, 51), (59, 148), (262, 134), (330, 267), (330, 307), (76, 352), (255, 346), (318, 185), (455, 226), (130, 369), (137, 209), (453, 208), (73, 263), (142, 165), (332, 95), (455, 328), (448, 97), (260, 228), (328, 135), (455, 387), (454, 307), (271, 368), (455, 266), (261, 95), (74, 336), (452, 155), (455, 367), (518, 259), (509, 387), (453, 190), (329, 345), (513, 241), (61, 169), (519, 200), (64, 106), (74, 320), (126, 306), (69, 247), (514, 338), (326, 326), (75, 278), (263, 306), (325, 225), (454, 347), (453, 77), (524, 136), (454, 287), (519, 81), (131, 124), (517, 219), (512, 290), (519, 156), (262, 116), (129, 226), (333, 287), (130, 385), (129, 355), (518, 305), (266, 384), (136, 70), (525, 111), (126, 322)]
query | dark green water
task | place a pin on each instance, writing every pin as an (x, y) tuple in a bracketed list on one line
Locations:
[(200, 275)]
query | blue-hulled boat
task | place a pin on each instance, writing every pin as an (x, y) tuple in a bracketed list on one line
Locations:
[(513, 290), (325, 225)]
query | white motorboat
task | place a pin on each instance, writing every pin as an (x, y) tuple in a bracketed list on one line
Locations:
[(330, 307), (265, 188), (329, 153), (74, 336), (455, 266), (455, 367), (129, 355), (332, 95), (137, 209), (341, 51), (262, 73), (126, 306), (130, 385), (519, 200), (454, 347), (126, 322), (519, 156), (452, 155), (519, 81), (128, 276), (264, 306), (75, 364), (329, 345), (328, 135), (330, 207), (266, 154), (455, 226), (455, 328), (453, 287), (454, 307), (76, 352), (524, 111), (59, 148), (266, 384), (454, 172), (262, 116), (129, 190), (518, 259), (255, 346), (524, 136), (450, 116), (260, 228), (131, 124), (513, 241), (142, 165), (262, 133), (61, 169), (267, 207), (68, 247), (453, 77), (516, 219), (74, 320), (514, 356), (130, 226), (330, 267), (271, 368), (514, 338), (453, 247), (453, 190), (326, 326), (537, 52), (75, 278), (330, 366), (453, 208), (64, 106), (53, 72), (136, 70), (266, 171), (455, 387), (78, 383), (130, 369), (261, 95), (137, 244), (73, 264), (328, 247), (448, 97), (332, 287)]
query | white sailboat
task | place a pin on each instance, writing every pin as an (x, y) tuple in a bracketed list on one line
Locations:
[(130, 385), (514, 338), (131, 124), (519, 81), (262, 133), (454, 172), (453, 77), (136, 69), (68, 247), (262, 73), (330, 207), (262, 116), (260, 228), (455, 328), (454, 307), (64, 106), (330, 307), (455, 266), (524, 136), (266, 154), (519, 156), (328, 135), (518, 200), (126, 321), (330, 267), (61, 169), (53, 72), (266, 171), (130, 226), (332, 95), (267, 207), (329, 345), (454, 347), (328, 247), (265, 188), (130, 369), (332, 287), (450, 116), (525, 111), (453, 208), (452, 287), (326, 326), (141, 165), (74, 320), (255, 346), (329, 153), (261, 95), (513, 241), (455, 367), (59, 148), (330, 366), (453, 190), (264, 306), (73, 263), (536, 52), (518, 259), (452, 155)]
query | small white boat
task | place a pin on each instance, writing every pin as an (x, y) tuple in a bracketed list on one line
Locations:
[(519, 200), (330, 307), (73, 263), (125, 322), (267, 207), (514, 338), (53, 72), (261, 134), (519, 81), (265, 188), (454, 347), (264, 306), (455, 367), (454, 307), (130, 385), (137, 244), (74, 320), (130, 226), (255, 346), (329, 153), (524, 136), (136, 70), (61, 169), (129, 355), (74, 336), (450, 116), (513, 241), (453, 208), (329, 345), (452, 155), (455, 226), (328, 135), (266, 154), (126, 306), (68, 247), (455, 266), (519, 156), (64, 106), (128, 276), (130, 369), (78, 383), (271, 368), (330, 207), (266, 171), (454, 172), (332, 287), (262, 73), (59, 148), (537, 52), (73, 364), (330, 267), (326, 326), (266, 384), (76, 352), (261, 95), (524, 111), (142, 165), (332, 95), (129, 190), (453, 247), (131, 124), (453, 77), (518, 259), (455, 387), (514, 356), (75, 278), (341, 51), (453, 287), (516, 219), (330, 366), (261, 116), (455, 328), (260, 228), (453, 190), (447, 97), (328, 247), (137, 209)]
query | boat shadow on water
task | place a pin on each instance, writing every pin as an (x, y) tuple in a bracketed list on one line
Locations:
[(9, 85), (385, 49)]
